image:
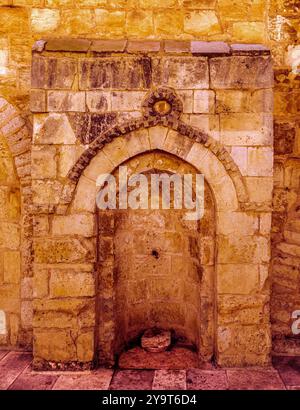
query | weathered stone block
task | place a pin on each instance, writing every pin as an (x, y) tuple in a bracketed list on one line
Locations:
[(171, 46), (9, 235), (127, 100), (67, 158), (44, 20), (260, 161), (26, 314), (59, 250), (135, 46), (85, 196), (244, 10), (240, 157), (237, 279), (234, 101), (160, 289), (255, 339), (259, 189), (14, 322), (38, 101), (246, 129), (40, 225), (52, 72), (239, 223), (40, 283), (111, 21), (168, 22), (207, 122), (10, 298), (68, 44), (43, 162), (103, 46), (71, 284), (77, 21), (116, 151), (54, 319), (46, 191), (204, 101), (26, 288), (66, 101), (83, 225), (85, 347), (177, 145), (98, 101), (290, 249), (243, 249), (243, 309), (14, 19), (241, 72), (181, 72), (9, 204), (187, 99), (157, 136), (52, 129), (11, 267), (249, 31), (284, 138), (265, 222), (209, 47), (202, 23), (103, 73), (54, 345), (74, 306), (152, 4), (139, 23)]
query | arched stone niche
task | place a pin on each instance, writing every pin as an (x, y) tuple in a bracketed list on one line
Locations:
[(240, 320), (156, 269), (15, 228)]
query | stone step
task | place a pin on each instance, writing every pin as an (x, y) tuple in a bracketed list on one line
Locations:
[(293, 225), (287, 260), (292, 237), (290, 249)]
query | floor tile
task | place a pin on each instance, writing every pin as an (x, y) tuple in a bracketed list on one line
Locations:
[(253, 379), (3, 353), (11, 366), (30, 380), (177, 358), (169, 380), (97, 380), (289, 369), (198, 379), (132, 380)]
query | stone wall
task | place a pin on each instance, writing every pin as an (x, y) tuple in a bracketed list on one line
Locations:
[(220, 123), (161, 272), (285, 226), (23, 22), (15, 229), (274, 23), (9, 246), (284, 21)]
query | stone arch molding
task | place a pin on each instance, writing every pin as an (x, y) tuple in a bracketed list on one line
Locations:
[(15, 130), (18, 136), (160, 128)]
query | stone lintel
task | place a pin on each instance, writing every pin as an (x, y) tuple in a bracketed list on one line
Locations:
[(194, 47)]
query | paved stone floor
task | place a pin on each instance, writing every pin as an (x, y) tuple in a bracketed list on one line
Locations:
[(16, 374)]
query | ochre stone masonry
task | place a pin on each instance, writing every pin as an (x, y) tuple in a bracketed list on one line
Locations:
[(151, 111), (78, 85), (163, 270)]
